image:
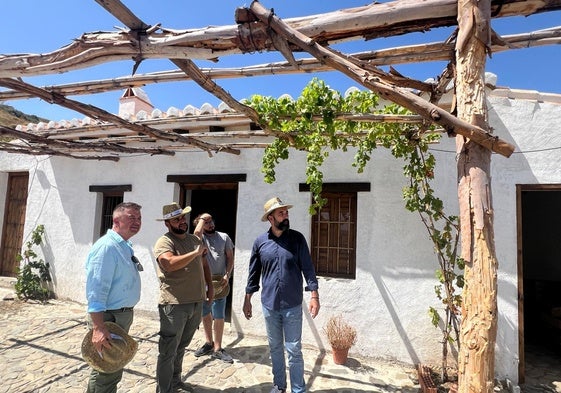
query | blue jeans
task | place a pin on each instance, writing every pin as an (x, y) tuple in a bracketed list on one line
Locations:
[(217, 308), (284, 329), (178, 323)]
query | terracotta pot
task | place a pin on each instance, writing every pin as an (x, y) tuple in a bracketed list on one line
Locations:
[(340, 355)]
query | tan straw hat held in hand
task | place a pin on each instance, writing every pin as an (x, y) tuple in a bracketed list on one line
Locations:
[(272, 204), (123, 348), (173, 210)]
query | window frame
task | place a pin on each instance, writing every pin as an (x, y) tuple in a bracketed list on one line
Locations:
[(111, 196), (333, 230)]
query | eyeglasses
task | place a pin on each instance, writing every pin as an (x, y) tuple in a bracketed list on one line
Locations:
[(137, 263)]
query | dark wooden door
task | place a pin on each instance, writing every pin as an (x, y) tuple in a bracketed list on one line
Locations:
[(14, 220)]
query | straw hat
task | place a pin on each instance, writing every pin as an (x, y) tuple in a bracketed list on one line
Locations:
[(272, 204), (123, 348), (173, 210)]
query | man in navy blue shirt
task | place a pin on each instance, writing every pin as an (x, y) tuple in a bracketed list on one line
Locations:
[(281, 259)]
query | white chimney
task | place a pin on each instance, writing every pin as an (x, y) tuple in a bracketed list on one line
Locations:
[(133, 101)]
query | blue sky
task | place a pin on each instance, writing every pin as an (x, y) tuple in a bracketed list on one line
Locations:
[(53, 24)]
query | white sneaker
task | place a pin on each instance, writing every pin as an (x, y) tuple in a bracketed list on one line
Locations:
[(275, 389)]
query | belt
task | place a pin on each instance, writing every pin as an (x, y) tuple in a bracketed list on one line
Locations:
[(122, 309)]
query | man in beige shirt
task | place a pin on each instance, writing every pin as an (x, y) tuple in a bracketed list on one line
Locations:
[(185, 283)]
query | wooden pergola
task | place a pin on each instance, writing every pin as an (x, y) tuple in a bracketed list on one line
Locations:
[(257, 28), (251, 33)]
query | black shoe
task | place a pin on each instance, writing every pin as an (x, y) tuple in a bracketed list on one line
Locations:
[(222, 355), (204, 350), (182, 387)]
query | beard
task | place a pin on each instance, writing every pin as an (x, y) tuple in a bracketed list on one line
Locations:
[(178, 230), (210, 231), (282, 225)]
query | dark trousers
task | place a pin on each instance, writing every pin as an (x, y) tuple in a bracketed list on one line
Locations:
[(178, 324), (107, 383)]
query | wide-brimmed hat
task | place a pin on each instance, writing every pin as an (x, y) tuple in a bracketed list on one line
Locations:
[(173, 210), (122, 350), (272, 204)]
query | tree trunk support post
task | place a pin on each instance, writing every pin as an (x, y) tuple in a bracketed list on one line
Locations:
[(476, 361)]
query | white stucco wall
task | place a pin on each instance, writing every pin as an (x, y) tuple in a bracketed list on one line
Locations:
[(394, 267), (395, 278), (533, 128)]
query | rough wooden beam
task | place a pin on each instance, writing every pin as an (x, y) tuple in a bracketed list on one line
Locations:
[(400, 55), (122, 13), (400, 96), (98, 113), (44, 151), (36, 141), (209, 85), (371, 21)]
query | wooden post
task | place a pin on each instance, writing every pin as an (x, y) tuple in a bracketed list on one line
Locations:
[(479, 307)]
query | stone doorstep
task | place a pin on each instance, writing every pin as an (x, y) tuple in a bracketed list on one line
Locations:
[(7, 282), (7, 288)]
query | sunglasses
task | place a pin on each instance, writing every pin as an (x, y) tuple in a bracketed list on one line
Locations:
[(137, 263)]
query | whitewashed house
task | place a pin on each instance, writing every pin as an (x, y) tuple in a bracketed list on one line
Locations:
[(385, 291)]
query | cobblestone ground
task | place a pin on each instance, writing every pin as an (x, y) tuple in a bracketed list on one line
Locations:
[(40, 352)]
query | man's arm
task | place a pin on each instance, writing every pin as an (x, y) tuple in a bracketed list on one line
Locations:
[(247, 308), (229, 263), (314, 306), (100, 334), (198, 231), (170, 262), (208, 280), (309, 272)]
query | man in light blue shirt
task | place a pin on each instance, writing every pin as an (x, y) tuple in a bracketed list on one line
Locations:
[(112, 286)]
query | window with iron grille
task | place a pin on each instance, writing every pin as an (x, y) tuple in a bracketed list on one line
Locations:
[(334, 229), (333, 240), (111, 197), (109, 203)]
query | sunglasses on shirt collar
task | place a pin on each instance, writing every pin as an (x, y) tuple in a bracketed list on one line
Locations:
[(137, 263)]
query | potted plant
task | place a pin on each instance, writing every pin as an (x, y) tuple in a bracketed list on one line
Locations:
[(341, 337)]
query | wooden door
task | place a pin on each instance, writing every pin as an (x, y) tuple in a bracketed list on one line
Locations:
[(14, 220)]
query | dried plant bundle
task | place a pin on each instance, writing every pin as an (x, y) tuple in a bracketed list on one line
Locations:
[(340, 334)]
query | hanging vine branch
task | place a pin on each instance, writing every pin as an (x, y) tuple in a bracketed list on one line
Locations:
[(380, 85), (312, 121)]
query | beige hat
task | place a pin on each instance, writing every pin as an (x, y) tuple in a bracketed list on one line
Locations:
[(123, 348), (173, 210), (272, 204)]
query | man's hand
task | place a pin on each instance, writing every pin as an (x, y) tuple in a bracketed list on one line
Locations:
[(101, 338), (201, 249), (210, 293), (247, 307), (314, 306)]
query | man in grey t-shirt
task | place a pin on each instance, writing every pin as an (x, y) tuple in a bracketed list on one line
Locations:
[(220, 257)]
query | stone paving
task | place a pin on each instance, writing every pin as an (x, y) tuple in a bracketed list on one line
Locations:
[(543, 372), (40, 352)]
